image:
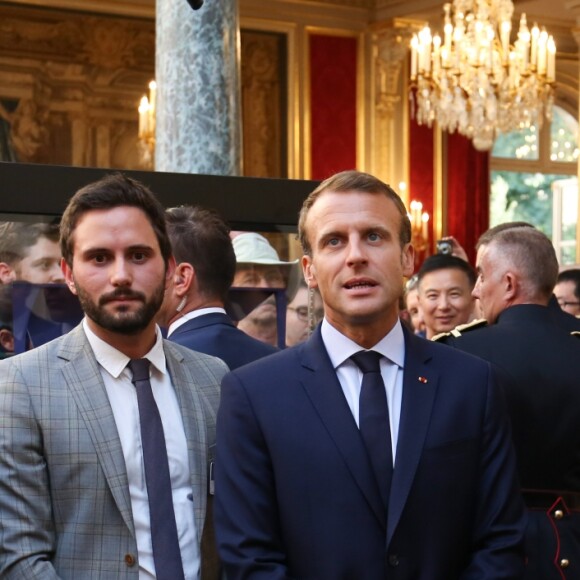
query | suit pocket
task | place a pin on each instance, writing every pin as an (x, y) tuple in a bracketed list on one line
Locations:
[(451, 449)]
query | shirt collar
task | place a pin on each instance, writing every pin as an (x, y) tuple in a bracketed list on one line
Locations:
[(114, 361), (340, 348), (193, 314)]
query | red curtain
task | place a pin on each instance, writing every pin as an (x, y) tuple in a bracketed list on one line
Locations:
[(333, 105), (468, 184)]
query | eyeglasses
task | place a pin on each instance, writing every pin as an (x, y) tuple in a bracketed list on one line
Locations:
[(302, 313)]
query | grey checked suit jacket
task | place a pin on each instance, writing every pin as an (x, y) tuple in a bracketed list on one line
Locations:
[(65, 510)]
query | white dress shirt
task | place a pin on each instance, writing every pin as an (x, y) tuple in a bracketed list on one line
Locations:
[(123, 398), (193, 314), (392, 347)]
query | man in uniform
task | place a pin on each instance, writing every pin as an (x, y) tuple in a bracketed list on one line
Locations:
[(538, 360)]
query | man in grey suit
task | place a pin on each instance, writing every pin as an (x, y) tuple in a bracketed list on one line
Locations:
[(78, 461)]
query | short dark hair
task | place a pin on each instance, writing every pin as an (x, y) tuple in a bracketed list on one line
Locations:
[(345, 182), (571, 275), (447, 262), (114, 190), (488, 235), (17, 237), (201, 238)]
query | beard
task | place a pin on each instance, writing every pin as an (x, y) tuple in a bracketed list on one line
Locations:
[(122, 321)]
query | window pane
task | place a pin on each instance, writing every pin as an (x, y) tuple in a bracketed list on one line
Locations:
[(522, 197), (517, 145), (563, 137)]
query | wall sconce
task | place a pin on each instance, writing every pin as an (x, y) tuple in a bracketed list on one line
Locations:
[(147, 127), (419, 226)]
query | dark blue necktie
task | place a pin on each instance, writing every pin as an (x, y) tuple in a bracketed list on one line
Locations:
[(374, 419), (166, 553)]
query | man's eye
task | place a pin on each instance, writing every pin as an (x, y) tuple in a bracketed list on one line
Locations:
[(374, 237), (332, 242), (99, 258), (139, 256)]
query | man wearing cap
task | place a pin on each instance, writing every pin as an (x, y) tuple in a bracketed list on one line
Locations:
[(259, 266)]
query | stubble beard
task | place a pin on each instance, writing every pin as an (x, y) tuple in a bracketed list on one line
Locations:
[(122, 322)]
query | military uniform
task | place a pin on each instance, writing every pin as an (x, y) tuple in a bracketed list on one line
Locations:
[(538, 362)]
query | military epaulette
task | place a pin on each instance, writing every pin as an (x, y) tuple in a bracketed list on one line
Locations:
[(461, 329)]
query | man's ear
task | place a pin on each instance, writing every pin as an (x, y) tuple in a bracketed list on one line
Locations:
[(7, 273), (309, 271), (511, 286), (68, 276), (183, 278), (408, 260), (7, 340)]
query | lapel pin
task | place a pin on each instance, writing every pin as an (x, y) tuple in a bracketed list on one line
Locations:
[(422, 380)]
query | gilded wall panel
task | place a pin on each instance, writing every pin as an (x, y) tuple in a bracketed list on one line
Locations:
[(264, 103)]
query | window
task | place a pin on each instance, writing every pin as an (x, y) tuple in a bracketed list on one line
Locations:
[(534, 179)]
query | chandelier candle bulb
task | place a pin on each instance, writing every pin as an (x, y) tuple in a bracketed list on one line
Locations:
[(534, 49), (414, 56), (551, 60)]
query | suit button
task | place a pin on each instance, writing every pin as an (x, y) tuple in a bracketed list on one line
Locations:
[(129, 560), (564, 563), (393, 560), (558, 514)]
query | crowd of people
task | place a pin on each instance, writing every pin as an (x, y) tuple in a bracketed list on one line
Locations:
[(219, 412)]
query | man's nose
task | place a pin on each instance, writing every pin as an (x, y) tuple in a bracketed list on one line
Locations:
[(356, 253), (120, 272)]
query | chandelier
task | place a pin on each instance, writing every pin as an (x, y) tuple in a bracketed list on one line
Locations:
[(473, 81), (147, 127)]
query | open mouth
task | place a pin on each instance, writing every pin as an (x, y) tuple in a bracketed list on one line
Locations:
[(360, 284)]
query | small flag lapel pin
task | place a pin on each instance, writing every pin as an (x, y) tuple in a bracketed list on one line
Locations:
[(422, 380)]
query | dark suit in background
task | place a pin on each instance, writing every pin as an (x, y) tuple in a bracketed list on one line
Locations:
[(217, 335)]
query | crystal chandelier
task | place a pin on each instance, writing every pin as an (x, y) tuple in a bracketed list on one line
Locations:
[(472, 80)]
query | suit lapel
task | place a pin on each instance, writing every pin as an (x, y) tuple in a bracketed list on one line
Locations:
[(83, 379), (419, 389), (194, 427), (323, 388)]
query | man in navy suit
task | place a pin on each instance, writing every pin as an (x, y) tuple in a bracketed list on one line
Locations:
[(302, 486), (193, 306)]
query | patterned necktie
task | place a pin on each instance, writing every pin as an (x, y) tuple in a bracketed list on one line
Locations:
[(166, 553), (374, 419)]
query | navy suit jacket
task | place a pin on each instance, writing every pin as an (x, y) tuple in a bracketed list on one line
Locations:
[(216, 334), (295, 494)]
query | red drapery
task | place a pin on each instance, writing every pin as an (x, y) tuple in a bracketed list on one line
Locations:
[(468, 185), (468, 182), (333, 104)]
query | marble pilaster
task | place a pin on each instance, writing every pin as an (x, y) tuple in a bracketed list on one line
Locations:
[(198, 128)]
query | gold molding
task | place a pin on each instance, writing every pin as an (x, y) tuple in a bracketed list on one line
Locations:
[(293, 126), (439, 184)]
